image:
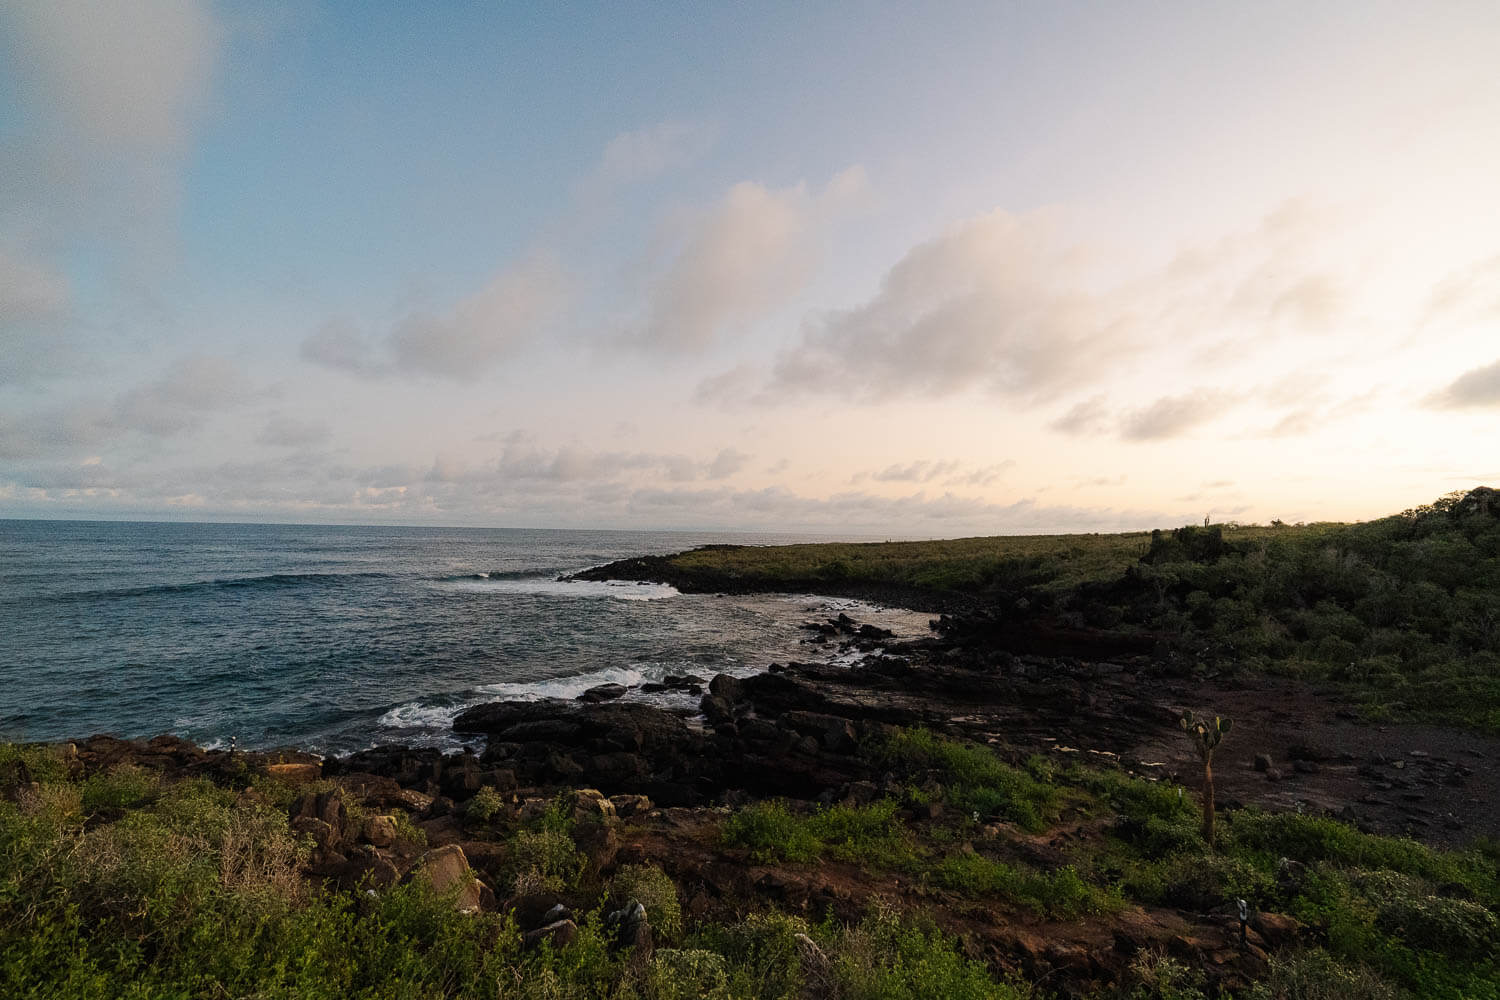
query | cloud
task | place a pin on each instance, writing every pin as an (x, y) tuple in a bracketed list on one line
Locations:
[(986, 305), (728, 462), (1472, 294), (1002, 305), (514, 308), (1087, 417), (647, 152), (915, 472), (34, 339), (106, 96), (182, 399), (747, 256), (282, 431), (1477, 388), (485, 328), (1172, 416), (127, 74)]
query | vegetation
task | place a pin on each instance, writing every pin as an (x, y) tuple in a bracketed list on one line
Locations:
[(1404, 610), (1205, 736), (121, 884)]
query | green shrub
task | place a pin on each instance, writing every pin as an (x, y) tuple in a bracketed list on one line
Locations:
[(771, 833), (407, 831), (1317, 975), (122, 786), (484, 805), (1407, 909), (1158, 976), (765, 955), (30, 762), (1061, 893), (545, 861), (974, 779), (653, 889), (889, 957), (686, 974), (869, 835)]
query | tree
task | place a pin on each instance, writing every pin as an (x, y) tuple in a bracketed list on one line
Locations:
[(1205, 736)]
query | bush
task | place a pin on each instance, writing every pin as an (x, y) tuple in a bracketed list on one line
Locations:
[(545, 861), (653, 889), (887, 958), (1316, 975), (974, 779), (119, 788), (765, 952), (869, 835), (686, 974), (484, 805)]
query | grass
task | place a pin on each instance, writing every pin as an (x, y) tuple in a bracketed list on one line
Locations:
[(1404, 611)]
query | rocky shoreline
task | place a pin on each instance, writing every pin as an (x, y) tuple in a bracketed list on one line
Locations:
[(643, 784)]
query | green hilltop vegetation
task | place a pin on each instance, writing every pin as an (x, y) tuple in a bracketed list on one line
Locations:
[(1405, 609)]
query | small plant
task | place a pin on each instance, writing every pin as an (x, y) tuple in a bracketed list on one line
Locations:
[(546, 861), (654, 890), (1205, 736), (484, 805)]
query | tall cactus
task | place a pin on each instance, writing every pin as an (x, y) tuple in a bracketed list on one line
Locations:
[(1205, 736)]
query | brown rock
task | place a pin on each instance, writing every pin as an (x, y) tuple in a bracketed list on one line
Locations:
[(590, 805), (446, 870), (295, 774), (1276, 928), (559, 935), (381, 830), (630, 805)]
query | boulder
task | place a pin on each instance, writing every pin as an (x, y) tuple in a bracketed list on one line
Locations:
[(630, 805), (726, 687), (295, 774), (380, 830), (628, 927), (716, 710), (1277, 929), (558, 934), (446, 870), (603, 692)]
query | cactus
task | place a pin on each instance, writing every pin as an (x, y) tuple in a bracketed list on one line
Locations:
[(1205, 736)]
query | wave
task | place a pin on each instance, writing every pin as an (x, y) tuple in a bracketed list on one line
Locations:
[(550, 587), (271, 581), (536, 573)]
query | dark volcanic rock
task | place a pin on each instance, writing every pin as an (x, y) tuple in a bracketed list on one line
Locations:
[(603, 692)]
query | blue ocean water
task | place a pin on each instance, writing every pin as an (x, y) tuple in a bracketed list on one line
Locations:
[(335, 638)]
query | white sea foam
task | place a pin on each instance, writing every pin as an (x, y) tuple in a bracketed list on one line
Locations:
[(623, 590), (564, 687), (416, 715)]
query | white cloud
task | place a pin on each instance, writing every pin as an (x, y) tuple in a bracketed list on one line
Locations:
[(1002, 305), (1477, 388), (189, 393), (647, 152), (482, 330), (282, 431), (513, 310), (129, 73), (746, 257), (1172, 416), (921, 471), (986, 305), (107, 94)]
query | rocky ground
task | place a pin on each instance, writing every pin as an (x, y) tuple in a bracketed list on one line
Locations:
[(647, 784)]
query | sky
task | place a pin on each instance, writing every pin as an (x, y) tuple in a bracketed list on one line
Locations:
[(902, 270)]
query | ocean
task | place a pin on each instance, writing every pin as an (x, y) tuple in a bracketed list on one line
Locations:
[(337, 638)]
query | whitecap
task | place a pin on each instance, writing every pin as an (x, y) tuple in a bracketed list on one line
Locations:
[(623, 590)]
